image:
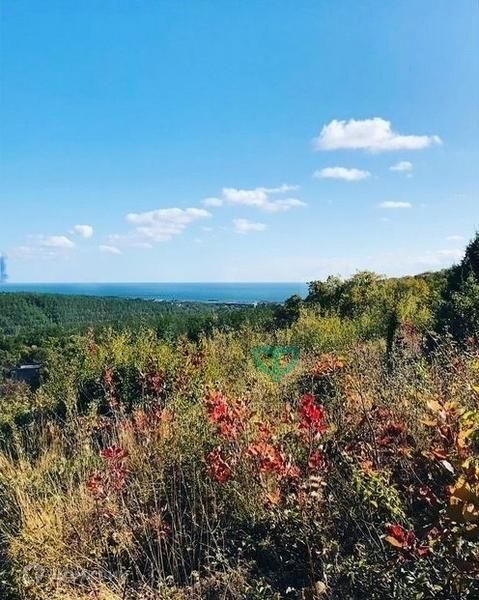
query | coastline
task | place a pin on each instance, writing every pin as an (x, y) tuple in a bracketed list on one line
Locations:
[(204, 293)]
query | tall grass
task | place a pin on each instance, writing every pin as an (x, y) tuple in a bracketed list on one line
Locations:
[(152, 469)]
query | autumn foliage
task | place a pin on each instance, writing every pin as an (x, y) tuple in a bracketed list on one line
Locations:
[(177, 470)]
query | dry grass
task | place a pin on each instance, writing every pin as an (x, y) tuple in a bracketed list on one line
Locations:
[(135, 480)]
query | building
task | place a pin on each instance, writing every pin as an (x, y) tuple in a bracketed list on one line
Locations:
[(29, 374)]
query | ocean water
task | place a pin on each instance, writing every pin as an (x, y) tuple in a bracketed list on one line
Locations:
[(180, 292)]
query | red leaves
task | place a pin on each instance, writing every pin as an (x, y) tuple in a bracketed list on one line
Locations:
[(229, 417), (218, 466), (217, 406), (312, 416), (422, 551), (114, 454), (393, 433), (406, 541), (101, 485), (154, 383), (426, 493), (316, 461), (96, 486), (399, 536), (108, 378), (271, 459), (232, 419)]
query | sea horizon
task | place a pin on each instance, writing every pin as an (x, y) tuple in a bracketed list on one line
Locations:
[(214, 292)]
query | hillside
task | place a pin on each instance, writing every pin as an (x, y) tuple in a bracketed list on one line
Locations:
[(329, 450), (27, 312)]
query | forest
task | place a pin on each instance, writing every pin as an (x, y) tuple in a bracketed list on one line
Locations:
[(29, 322), (157, 461)]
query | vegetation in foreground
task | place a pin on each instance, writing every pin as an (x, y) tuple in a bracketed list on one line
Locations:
[(147, 467)]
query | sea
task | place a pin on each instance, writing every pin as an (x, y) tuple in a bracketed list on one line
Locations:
[(231, 293)]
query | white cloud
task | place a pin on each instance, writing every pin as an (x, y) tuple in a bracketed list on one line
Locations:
[(403, 166), (41, 246), (84, 231), (165, 221), (282, 189), (455, 238), (109, 249), (244, 226), (131, 239), (342, 173), (56, 241), (213, 202), (259, 197), (392, 204), (374, 134), (283, 205), (156, 226)]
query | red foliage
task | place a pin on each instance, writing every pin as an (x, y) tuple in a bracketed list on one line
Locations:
[(271, 459), (218, 466), (154, 383), (101, 485), (393, 433), (405, 538), (229, 417), (96, 486), (316, 461), (312, 416), (406, 541), (114, 454), (108, 378)]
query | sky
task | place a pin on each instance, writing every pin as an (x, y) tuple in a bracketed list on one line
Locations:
[(267, 140)]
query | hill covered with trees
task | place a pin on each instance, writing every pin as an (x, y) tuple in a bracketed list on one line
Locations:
[(29, 312)]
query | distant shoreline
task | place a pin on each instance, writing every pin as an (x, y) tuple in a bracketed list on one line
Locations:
[(205, 293), (165, 301)]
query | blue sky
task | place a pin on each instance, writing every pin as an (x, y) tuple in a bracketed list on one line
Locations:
[(236, 141)]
